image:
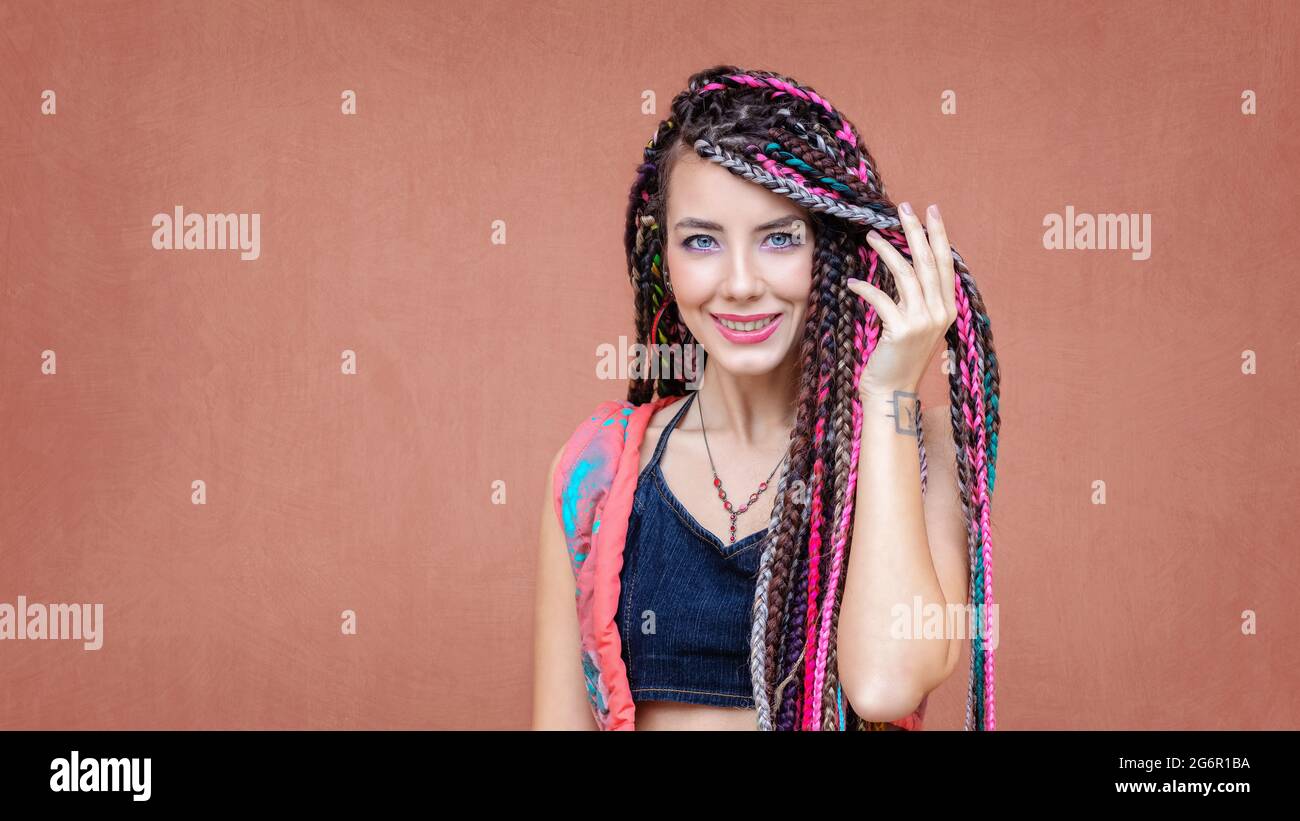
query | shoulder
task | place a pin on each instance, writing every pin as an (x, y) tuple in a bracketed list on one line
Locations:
[(600, 436), (660, 418), (593, 437), (606, 413), (667, 408), (583, 472)]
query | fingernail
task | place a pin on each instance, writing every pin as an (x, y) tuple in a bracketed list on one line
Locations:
[(874, 234), (934, 211), (906, 208)]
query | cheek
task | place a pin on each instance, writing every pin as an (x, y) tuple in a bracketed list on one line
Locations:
[(677, 267), (796, 279), (690, 285)]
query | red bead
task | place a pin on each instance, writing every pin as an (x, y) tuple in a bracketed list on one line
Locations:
[(717, 482), (727, 505), (762, 486)]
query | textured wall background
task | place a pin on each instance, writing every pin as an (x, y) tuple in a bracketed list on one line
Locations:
[(373, 492)]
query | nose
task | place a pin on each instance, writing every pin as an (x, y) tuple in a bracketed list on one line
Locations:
[(741, 281)]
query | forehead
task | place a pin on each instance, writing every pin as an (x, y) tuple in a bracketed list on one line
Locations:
[(699, 188)]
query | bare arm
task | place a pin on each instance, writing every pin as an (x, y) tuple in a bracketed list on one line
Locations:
[(905, 545), (559, 689)]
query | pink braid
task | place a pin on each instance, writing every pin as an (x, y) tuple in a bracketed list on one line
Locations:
[(812, 700), (864, 351)]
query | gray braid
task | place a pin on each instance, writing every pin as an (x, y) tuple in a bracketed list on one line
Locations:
[(792, 189), (758, 623)]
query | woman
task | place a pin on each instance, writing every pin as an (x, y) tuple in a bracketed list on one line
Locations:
[(756, 231)]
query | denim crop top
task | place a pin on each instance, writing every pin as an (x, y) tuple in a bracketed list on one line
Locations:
[(684, 599)]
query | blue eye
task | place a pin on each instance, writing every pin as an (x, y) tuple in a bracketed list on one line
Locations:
[(787, 241), (687, 242)]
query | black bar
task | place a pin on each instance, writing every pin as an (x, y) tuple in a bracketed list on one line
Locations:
[(330, 769)]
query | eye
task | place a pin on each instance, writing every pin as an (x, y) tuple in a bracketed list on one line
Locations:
[(789, 239), (686, 243)]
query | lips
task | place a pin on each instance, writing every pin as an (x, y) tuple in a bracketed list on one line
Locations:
[(753, 328)]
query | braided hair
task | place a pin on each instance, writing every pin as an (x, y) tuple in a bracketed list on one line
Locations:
[(784, 136)]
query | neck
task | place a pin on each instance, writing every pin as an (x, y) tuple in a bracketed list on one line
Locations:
[(750, 408)]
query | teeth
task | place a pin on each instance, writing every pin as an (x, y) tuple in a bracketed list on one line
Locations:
[(747, 326)]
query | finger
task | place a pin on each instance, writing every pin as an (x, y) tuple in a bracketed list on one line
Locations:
[(885, 307), (943, 254), (909, 290), (923, 263)]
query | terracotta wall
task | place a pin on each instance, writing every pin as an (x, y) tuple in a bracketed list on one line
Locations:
[(325, 491)]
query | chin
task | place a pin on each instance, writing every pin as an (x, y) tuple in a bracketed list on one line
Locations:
[(747, 363)]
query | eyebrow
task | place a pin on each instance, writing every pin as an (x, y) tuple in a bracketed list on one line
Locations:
[(694, 222)]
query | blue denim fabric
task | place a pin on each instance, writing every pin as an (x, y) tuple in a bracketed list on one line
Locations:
[(684, 600)]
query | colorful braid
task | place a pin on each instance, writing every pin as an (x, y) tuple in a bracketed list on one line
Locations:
[(784, 136)]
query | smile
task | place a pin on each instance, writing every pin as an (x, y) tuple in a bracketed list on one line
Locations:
[(746, 329)]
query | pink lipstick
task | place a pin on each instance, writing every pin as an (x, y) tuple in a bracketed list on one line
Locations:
[(763, 330)]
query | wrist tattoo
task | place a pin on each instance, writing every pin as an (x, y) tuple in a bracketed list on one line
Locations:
[(907, 413)]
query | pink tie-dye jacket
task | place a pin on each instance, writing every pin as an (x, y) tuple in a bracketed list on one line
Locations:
[(592, 488)]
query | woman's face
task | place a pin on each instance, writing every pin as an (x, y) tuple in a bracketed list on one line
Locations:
[(739, 258)]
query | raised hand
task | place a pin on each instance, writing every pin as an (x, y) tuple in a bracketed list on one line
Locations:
[(913, 327)]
